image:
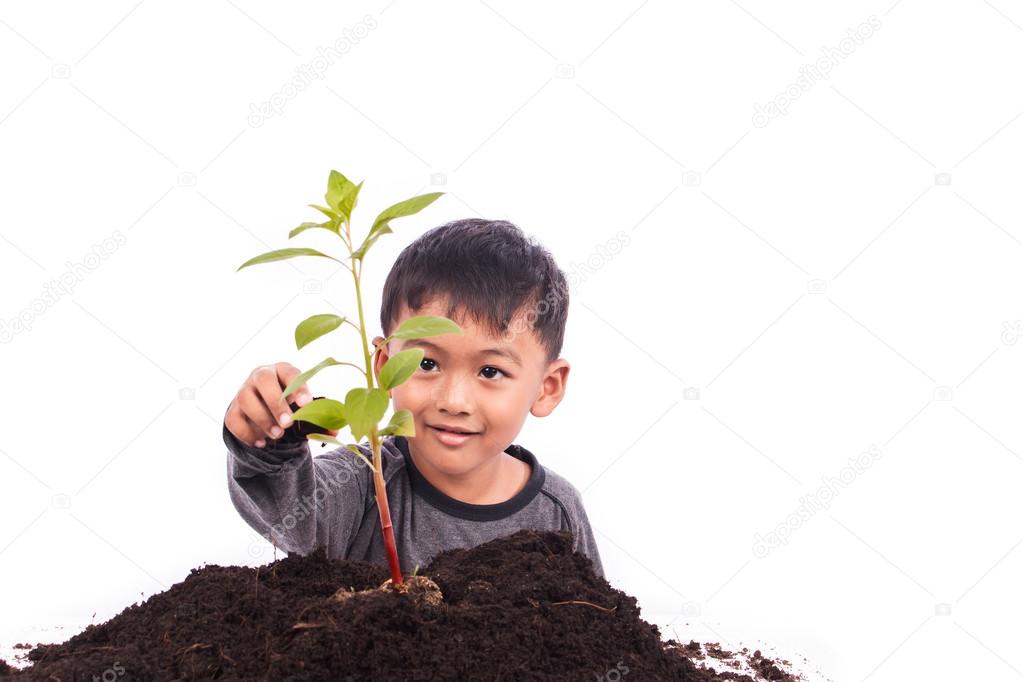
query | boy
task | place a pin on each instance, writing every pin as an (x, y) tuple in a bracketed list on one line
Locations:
[(459, 481)]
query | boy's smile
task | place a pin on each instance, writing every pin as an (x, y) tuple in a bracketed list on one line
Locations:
[(483, 387)]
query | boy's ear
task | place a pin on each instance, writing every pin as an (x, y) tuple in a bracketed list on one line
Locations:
[(380, 359), (552, 388)]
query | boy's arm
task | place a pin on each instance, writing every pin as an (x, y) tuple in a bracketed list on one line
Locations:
[(294, 500)]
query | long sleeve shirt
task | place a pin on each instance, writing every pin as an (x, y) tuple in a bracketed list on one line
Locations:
[(300, 502)]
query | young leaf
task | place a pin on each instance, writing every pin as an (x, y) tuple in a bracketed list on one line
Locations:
[(402, 209), (304, 376), (341, 194), (349, 200), (329, 225), (324, 438), (325, 413), (400, 367), (382, 225), (314, 327), (358, 453), (401, 424), (364, 408), (421, 326), (282, 254), (330, 213), (336, 185), (368, 242)]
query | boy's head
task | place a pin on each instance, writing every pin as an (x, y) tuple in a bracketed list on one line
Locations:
[(507, 294)]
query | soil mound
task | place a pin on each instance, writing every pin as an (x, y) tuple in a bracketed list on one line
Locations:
[(523, 607)]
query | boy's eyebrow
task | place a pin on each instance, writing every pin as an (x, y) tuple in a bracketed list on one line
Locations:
[(504, 352)]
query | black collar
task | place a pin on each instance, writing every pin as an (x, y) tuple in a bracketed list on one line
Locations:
[(475, 512)]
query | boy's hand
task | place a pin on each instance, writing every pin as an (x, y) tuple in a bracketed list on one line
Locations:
[(257, 412)]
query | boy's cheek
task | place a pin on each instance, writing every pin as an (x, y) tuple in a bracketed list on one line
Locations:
[(400, 399), (409, 396)]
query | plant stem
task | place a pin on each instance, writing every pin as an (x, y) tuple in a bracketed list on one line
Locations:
[(347, 236), (374, 439)]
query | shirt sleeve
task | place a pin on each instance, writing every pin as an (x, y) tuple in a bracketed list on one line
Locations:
[(586, 543), (582, 533), (294, 500)]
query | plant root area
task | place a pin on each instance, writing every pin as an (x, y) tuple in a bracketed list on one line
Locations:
[(522, 607)]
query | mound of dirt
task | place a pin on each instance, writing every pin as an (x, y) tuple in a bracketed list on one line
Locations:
[(523, 607)]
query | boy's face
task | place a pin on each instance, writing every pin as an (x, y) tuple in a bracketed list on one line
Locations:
[(461, 385)]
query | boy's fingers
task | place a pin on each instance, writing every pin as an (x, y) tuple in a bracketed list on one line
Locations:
[(258, 440), (287, 373), (255, 436), (269, 389), (243, 428), (254, 408), (235, 422)]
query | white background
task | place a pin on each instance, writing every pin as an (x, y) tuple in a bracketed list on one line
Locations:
[(846, 276)]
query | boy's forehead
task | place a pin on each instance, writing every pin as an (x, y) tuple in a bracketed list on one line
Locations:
[(519, 340)]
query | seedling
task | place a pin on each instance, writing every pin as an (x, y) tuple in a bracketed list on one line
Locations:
[(363, 408)]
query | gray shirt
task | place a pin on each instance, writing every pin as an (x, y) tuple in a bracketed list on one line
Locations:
[(299, 502)]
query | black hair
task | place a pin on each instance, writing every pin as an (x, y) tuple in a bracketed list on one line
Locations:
[(486, 269)]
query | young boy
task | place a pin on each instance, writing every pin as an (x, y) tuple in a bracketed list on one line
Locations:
[(460, 481)]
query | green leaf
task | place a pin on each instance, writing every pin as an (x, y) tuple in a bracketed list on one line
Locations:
[(336, 185), (349, 200), (314, 327), (304, 376), (364, 408), (329, 225), (358, 453), (402, 209), (422, 326), (330, 213), (282, 254), (368, 242), (382, 226), (324, 438), (401, 424), (325, 413), (400, 367), (341, 194)]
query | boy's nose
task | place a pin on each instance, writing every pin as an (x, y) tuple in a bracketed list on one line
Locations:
[(453, 397)]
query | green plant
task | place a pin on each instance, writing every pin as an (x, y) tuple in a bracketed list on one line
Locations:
[(363, 408)]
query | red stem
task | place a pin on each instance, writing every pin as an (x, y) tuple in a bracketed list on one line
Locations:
[(385, 512), (374, 437)]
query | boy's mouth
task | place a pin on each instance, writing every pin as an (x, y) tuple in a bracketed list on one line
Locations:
[(452, 429), (450, 437)]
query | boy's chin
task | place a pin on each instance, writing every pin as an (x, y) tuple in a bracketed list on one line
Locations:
[(450, 461)]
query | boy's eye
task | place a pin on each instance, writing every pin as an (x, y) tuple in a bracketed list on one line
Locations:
[(428, 364), (492, 368)]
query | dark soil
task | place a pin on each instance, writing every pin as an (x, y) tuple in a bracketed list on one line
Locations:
[(524, 607)]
